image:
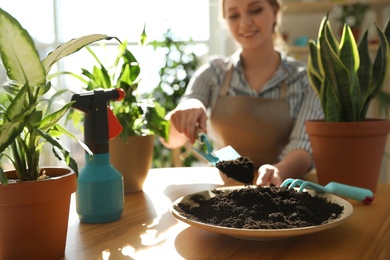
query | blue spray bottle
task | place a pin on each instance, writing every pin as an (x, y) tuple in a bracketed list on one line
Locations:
[(99, 194)]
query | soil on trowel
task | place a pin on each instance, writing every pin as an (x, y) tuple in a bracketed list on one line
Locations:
[(260, 208), (240, 169)]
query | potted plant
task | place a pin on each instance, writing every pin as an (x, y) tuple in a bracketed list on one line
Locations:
[(347, 146), (141, 117), (34, 200)]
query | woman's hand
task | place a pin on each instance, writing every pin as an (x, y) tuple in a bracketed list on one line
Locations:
[(187, 117), (294, 165), (269, 174)]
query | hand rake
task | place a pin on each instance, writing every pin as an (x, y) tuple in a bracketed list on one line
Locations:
[(343, 190)]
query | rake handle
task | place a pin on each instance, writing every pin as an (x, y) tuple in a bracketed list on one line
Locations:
[(356, 193)]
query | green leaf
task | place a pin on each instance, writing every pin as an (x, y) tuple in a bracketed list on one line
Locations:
[(155, 121), (59, 150), (10, 130), (44, 89), (349, 54), (73, 165), (101, 77), (386, 30), (3, 177), (67, 133), (70, 47), (332, 107), (52, 119), (35, 117), (365, 68), (143, 39), (365, 74), (349, 57), (17, 104), (314, 75), (379, 72), (381, 65), (339, 80), (11, 89), (334, 44), (18, 53)]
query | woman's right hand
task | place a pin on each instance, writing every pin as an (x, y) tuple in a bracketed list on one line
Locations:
[(189, 116)]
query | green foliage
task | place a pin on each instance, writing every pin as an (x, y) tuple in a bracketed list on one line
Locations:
[(26, 125), (138, 115), (343, 74), (179, 66)]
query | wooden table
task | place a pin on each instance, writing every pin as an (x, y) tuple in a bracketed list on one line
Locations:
[(147, 229)]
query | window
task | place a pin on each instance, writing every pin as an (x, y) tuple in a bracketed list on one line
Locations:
[(52, 22)]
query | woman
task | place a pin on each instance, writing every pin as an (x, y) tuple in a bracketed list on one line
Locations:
[(258, 98)]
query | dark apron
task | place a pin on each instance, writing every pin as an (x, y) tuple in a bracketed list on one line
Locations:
[(258, 128)]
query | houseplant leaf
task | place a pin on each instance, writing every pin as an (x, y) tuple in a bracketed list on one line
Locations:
[(11, 129), (59, 150), (349, 56), (364, 73), (64, 131), (18, 46), (71, 47), (52, 119), (333, 43), (313, 69), (3, 177), (380, 65), (17, 104)]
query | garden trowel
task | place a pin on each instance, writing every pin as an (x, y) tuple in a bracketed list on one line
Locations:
[(224, 158), (213, 157)]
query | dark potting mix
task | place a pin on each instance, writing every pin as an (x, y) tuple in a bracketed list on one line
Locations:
[(256, 207), (241, 169)]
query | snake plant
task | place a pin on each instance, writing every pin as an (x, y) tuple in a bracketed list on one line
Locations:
[(25, 125), (343, 74)]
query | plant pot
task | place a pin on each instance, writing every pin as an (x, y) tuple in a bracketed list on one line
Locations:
[(133, 159), (34, 216), (348, 152)]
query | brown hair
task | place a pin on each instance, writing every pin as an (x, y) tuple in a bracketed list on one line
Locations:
[(273, 3)]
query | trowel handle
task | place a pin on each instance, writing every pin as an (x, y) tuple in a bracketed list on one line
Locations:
[(203, 139), (200, 135)]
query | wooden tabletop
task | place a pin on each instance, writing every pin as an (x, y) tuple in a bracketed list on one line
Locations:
[(148, 230)]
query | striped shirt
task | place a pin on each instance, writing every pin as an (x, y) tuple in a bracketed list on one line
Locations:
[(303, 102)]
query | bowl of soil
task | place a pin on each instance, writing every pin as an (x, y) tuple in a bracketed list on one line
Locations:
[(261, 213)]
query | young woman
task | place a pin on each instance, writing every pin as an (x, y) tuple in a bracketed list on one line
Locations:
[(256, 100)]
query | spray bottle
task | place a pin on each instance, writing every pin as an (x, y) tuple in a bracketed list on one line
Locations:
[(99, 194)]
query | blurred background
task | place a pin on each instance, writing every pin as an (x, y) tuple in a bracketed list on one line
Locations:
[(181, 36)]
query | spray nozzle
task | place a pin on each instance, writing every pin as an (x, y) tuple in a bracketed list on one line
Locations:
[(100, 124)]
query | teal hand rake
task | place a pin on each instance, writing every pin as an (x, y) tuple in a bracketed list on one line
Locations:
[(343, 190)]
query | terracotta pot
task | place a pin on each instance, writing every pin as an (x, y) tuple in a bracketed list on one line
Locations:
[(348, 152), (133, 159), (34, 216)]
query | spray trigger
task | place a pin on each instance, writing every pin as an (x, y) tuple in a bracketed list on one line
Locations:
[(114, 126)]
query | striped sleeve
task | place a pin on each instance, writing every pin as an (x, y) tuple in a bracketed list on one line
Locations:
[(206, 82), (305, 106)]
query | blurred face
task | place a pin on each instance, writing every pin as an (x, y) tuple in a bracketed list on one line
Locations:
[(251, 22)]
